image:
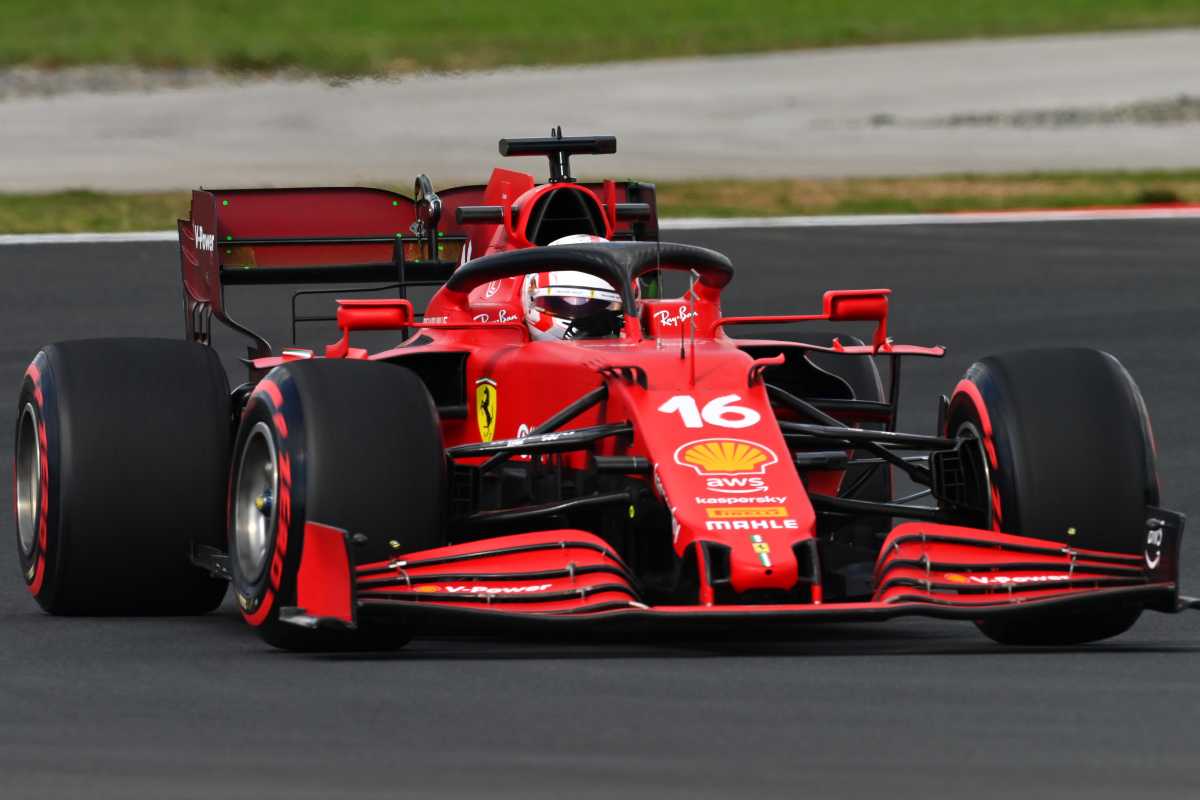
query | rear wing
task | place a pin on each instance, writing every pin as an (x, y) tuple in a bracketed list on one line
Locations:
[(339, 236), (304, 236)]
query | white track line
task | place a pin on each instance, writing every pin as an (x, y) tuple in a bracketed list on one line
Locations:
[(88, 238), (717, 223), (965, 218)]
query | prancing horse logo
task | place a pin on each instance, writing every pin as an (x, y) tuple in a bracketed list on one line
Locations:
[(485, 408)]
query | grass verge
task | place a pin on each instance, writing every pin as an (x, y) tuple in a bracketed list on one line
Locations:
[(80, 211), (716, 198), (382, 36)]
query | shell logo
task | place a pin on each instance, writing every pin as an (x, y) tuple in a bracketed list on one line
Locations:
[(725, 457), (954, 577)]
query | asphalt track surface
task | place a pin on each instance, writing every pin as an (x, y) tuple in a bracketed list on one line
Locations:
[(200, 708)]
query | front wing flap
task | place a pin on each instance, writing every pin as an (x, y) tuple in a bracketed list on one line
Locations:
[(556, 577), (948, 564)]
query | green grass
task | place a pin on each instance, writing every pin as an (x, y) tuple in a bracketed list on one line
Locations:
[(729, 198), (78, 211), (378, 36)]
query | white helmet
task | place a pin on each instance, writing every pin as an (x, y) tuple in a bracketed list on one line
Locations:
[(557, 303)]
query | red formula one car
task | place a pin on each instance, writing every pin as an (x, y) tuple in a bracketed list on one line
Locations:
[(643, 468)]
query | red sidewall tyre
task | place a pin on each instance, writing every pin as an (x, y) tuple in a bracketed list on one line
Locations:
[(36, 508), (119, 470), (1071, 457), (358, 447), (258, 594)]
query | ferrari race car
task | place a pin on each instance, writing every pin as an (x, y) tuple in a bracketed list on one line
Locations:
[(645, 468)]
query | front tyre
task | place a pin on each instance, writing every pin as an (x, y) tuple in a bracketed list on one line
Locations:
[(349, 444), (1072, 461)]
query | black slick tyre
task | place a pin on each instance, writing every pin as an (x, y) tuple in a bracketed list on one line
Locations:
[(353, 445), (1071, 459), (121, 456)]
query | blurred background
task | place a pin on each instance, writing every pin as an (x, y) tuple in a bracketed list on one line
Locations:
[(109, 110)]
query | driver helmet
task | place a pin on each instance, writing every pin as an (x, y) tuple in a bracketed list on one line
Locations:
[(565, 303)]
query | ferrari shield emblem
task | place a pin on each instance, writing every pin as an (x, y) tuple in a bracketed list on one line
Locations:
[(485, 408)]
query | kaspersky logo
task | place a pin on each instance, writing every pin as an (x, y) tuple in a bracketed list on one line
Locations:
[(728, 465)]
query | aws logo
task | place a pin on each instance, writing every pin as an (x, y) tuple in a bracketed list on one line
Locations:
[(729, 466)]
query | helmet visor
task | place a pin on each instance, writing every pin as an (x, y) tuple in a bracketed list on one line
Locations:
[(574, 302)]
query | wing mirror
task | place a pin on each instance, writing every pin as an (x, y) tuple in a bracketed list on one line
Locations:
[(367, 315), (860, 305)]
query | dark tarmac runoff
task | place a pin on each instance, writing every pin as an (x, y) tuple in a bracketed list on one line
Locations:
[(200, 708)]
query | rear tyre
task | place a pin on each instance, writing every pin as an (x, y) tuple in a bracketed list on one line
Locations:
[(350, 444), (121, 456), (1071, 460)]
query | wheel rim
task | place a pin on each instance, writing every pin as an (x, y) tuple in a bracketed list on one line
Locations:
[(29, 478), (968, 429), (254, 509)]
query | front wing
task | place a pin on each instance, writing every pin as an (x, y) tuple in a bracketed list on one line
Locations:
[(549, 579)]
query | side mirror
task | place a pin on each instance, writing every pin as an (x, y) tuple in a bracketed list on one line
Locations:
[(856, 305), (859, 305), (368, 315)]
